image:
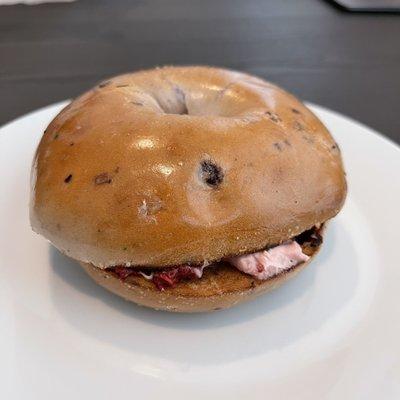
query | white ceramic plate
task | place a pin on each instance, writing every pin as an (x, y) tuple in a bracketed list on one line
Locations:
[(331, 333)]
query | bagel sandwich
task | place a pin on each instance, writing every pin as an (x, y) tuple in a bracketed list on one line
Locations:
[(187, 189)]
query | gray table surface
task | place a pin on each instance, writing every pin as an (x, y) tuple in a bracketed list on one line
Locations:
[(343, 61)]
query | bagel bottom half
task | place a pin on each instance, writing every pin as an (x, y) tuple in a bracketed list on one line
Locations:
[(220, 287)]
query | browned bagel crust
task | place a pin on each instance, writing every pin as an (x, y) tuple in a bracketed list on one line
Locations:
[(182, 164), (220, 287)]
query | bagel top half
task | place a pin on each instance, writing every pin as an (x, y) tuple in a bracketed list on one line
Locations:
[(182, 165)]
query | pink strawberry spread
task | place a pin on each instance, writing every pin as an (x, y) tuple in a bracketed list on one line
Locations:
[(268, 263), (262, 265)]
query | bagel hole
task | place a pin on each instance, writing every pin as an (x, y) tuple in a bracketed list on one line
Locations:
[(181, 97), (173, 102)]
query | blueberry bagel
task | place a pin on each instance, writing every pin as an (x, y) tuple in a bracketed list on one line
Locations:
[(187, 188)]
